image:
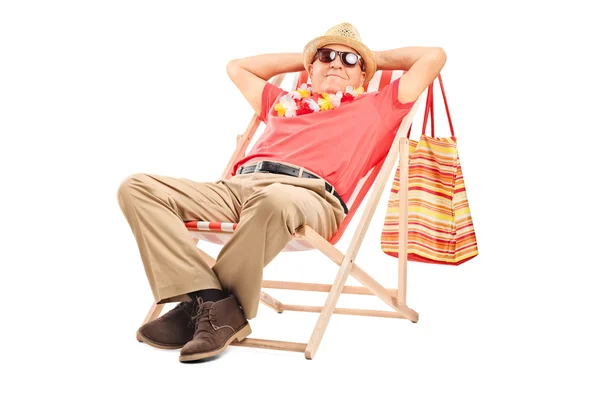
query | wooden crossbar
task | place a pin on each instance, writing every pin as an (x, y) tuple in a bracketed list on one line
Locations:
[(271, 344), (319, 287), (346, 311)]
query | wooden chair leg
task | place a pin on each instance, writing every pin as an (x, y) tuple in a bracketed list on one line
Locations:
[(328, 308)]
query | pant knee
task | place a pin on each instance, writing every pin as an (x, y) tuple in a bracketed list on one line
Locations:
[(276, 202), (134, 182)]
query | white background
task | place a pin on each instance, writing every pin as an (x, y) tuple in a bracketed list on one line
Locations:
[(92, 91)]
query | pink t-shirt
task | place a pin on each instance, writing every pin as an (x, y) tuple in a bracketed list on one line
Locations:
[(340, 145)]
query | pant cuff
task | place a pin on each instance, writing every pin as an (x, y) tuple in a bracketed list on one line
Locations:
[(178, 292)]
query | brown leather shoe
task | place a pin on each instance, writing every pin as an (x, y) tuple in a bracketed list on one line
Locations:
[(172, 330), (217, 325)]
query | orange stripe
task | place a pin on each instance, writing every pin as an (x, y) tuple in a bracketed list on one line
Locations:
[(430, 191), (214, 226), (191, 225), (386, 78)]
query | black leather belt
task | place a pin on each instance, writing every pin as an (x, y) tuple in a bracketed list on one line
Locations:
[(278, 168)]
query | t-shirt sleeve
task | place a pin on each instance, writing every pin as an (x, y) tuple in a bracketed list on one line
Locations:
[(269, 96), (389, 107)]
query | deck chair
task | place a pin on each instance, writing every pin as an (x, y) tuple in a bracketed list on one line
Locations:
[(307, 238)]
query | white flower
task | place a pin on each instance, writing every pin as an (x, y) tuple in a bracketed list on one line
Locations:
[(336, 100), (352, 91), (287, 98), (306, 87), (288, 103), (313, 105)]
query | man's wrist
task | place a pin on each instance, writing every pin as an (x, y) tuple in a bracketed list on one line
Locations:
[(378, 59)]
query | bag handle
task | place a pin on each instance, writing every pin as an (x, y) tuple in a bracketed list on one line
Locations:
[(429, 108)]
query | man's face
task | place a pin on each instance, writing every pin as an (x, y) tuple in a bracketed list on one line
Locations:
[(330, 77)]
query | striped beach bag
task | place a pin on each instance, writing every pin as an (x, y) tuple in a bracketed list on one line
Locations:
[(440, 228)]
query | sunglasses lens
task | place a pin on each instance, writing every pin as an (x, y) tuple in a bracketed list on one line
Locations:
[(350, 58), (326, 55)]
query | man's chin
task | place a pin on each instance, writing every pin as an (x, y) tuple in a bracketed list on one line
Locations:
[(333, 89)]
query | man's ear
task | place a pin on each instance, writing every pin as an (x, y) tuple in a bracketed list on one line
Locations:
[(310, 68), (362, 80)]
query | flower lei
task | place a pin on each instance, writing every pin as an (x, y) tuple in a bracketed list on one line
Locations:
[(302, 101)]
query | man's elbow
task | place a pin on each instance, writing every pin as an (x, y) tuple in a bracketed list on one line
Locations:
[(233, 67), (440, 56), (436, 60)]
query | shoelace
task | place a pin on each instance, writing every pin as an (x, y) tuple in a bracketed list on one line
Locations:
[(202, 314)]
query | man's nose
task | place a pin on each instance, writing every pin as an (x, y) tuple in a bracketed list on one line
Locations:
[(337, 63)]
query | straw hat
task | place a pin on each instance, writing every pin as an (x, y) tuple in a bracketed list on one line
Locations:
[(347, 35)]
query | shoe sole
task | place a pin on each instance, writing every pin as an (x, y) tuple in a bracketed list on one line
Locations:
[(238, 336), (149, 342)]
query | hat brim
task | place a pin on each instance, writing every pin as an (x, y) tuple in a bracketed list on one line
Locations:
[(369, 59)]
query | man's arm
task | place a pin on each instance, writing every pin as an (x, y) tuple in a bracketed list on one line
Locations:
[(422, 66), (252, 73)]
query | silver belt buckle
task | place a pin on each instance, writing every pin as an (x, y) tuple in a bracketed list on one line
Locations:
[(258, 166)]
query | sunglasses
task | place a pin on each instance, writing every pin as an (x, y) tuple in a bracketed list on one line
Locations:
[(348, 58)]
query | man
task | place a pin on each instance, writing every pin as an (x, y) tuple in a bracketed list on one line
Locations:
[(315, 148)]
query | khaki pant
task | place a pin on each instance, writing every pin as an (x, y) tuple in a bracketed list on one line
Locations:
[(268, 208)]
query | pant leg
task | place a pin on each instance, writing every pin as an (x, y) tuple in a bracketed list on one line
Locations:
[(156, 208), (270, 214)]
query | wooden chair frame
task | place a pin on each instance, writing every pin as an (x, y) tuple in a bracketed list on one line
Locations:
[(394, 298)]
